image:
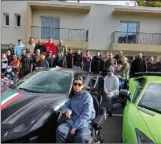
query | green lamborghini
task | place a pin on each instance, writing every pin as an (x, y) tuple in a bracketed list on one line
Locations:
[(142, 112)]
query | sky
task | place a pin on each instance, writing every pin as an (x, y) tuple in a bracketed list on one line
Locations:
[(130, 3)]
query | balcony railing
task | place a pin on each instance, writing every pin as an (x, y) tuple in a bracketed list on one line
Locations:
[(59, 33), (136, 38)]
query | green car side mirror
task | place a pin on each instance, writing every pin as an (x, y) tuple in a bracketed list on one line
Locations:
[(125, 93)]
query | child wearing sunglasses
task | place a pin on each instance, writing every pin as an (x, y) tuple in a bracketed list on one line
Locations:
[(80, 112)]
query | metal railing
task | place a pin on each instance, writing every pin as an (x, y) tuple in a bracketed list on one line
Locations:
[(59, 33), (136, 38)]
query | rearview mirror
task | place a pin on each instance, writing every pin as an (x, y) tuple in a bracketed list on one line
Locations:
[(125, 93)]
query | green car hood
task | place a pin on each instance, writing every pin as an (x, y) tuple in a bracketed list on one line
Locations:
[(153, 122)]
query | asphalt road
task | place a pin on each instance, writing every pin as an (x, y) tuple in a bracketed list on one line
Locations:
[(113, 126)]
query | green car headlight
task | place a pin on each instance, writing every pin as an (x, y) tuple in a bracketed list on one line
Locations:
[(142, 138)]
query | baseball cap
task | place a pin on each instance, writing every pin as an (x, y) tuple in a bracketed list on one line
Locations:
[(111, 69)]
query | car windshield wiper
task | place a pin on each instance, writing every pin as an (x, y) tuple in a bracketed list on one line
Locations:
[(28, 90), (152, 109)]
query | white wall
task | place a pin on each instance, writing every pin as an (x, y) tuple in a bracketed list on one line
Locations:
[(104, 23), (12, 33), (68, 20)]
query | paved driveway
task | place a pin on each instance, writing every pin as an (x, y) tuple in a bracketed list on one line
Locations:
[(113, 126)]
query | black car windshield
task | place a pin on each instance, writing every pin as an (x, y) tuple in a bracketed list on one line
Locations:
[(47, 82), (151, 98)]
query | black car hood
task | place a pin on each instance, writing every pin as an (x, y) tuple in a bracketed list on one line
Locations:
[(17, 105)]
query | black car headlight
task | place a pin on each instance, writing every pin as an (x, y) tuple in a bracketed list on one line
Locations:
[(142, 138), (25, 124)]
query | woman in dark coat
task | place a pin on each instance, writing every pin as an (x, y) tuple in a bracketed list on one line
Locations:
[(69, 59)]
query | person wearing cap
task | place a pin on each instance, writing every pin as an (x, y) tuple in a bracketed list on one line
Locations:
[(111, 88)]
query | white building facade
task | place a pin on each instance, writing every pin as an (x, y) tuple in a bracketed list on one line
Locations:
[(92, 26)]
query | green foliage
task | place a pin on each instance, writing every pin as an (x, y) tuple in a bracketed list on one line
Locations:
[(149, 3)]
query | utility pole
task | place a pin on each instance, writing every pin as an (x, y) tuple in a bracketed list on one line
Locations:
[(78, 1)]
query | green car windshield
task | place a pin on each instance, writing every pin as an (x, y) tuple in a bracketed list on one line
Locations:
[(46, 82), (151, 98)]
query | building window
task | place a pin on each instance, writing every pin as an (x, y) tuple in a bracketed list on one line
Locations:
[(17, 20), (128, 32), (50, 28), (6, 19)]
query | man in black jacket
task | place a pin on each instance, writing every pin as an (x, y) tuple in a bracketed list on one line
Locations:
[(138, 65), (26, 65), (158, 65), (97, 64), (151, 64), (11, 49), (40, 46), (77, 61)]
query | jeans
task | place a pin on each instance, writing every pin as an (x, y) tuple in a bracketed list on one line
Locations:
[(109, 101), (63, 131), (86, 67)]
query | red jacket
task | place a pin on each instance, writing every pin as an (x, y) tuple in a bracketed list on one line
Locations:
[(51, 47)]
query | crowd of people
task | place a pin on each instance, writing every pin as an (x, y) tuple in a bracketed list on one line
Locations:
[(22, 59)]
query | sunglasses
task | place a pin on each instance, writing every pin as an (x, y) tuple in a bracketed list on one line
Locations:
[(77, 84)]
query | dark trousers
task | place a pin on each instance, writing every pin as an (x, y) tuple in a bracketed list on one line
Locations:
[(63, 131), (3, 70), (86, 67), (23, 73)]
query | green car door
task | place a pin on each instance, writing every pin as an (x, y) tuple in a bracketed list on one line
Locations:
[(142, 113)]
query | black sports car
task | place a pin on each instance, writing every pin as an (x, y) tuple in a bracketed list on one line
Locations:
[(29, 108)]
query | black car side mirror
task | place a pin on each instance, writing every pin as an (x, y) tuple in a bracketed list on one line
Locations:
[(90, 89), (87, 88), (93, 89), (124, 93)]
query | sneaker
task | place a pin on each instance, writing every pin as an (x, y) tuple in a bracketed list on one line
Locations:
[(110, 113)]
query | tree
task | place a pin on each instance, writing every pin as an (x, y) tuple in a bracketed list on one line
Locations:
[(149, 3)]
